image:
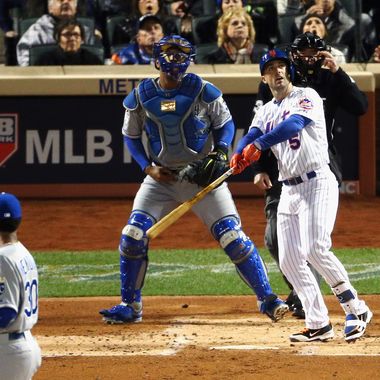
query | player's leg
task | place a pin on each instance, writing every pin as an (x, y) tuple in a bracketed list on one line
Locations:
[(19, 357), (357, 312), (152, 201), (291, 226), (133, 250), (219, 213), (272, 199)]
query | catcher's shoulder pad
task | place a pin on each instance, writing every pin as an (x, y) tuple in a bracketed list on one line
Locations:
[(210, 93), (130, 102)]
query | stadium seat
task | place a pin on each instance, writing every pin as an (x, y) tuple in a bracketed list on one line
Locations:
[(203, 50), (38, 50)]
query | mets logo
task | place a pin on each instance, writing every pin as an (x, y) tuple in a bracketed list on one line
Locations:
[(306, 104), (272, 53), (8, 136)]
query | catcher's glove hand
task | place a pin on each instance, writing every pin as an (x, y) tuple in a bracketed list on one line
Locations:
[(205, 171)]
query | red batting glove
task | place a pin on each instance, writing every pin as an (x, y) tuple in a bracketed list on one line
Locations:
[(238, 163), (251, 153)]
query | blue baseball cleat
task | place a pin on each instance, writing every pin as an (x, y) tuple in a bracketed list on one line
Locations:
[(123, 313), (356, 325), (273, 307)]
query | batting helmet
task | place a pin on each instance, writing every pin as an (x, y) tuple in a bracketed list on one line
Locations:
[(307, 65), (174, 54), (276, 54)]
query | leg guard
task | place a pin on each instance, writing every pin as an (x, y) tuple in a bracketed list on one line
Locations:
[(243, 254), (348, 299), (134, 256)]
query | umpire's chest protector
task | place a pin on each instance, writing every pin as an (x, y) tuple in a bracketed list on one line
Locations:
[(176, 136)]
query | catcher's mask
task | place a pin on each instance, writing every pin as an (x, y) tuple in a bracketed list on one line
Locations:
[(174, 54), (277, 54), (308, 64)]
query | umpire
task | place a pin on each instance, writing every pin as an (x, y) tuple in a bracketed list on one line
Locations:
[(313, 66)]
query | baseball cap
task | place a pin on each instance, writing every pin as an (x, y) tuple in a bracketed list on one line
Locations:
[(10, 207), (143, 20)]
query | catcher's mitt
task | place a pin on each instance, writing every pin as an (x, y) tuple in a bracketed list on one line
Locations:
[(205, 171)]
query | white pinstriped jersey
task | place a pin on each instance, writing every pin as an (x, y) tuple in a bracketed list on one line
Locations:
[(306, 151)]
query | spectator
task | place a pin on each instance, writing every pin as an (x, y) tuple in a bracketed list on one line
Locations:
[(315, 24), (375, 58), (9, 29), (141, 51), (262, 13), (42, 31), (69, 35), (183, 12), (236, 39), (127, 29), (101, 10), (340, 25)]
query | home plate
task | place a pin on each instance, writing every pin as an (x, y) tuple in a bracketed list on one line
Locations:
[(243, 347)]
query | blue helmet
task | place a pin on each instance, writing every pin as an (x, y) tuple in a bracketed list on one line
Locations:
[(276, 54), (174, 54)]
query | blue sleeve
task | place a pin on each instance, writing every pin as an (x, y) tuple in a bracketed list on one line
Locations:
[(284, 131), (7, 315), (251, 136), (136, 148), (223, 136)]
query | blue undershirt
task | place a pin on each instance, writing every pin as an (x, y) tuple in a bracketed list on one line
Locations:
[(7, 315)]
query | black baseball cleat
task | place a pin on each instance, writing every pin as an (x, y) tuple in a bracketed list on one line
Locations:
[(309, 335)]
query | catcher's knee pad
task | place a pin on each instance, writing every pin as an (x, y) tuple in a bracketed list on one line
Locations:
[(232, 239), (134, 255), (133, 241), (243, 254)]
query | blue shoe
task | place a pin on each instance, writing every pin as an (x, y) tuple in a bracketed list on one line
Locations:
[(123, 313), (273, 307), (356, 325)]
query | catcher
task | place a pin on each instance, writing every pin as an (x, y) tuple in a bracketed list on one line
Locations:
[(189, 129)]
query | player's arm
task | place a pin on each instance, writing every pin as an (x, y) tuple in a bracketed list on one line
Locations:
[(283, 131), (132, 131), (222, 128), (7, 316)]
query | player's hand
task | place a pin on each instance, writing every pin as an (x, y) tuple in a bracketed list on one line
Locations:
[(329, 62), (238, 163), (251, 153), (262, 181), (160, 174)]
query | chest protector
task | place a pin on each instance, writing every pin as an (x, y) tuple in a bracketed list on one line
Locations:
[(175, 135)]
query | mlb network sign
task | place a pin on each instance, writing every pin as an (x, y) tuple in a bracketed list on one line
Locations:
[(8, 136)]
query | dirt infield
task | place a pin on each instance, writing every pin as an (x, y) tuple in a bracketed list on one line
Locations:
[(188, 337)]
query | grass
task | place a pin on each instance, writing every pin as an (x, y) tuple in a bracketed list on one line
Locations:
[(181, 272)]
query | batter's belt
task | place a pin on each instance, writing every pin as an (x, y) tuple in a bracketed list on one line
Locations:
[(8, 337), (297, 180)]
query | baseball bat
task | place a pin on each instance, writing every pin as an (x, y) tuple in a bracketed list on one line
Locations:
[(174, 215)]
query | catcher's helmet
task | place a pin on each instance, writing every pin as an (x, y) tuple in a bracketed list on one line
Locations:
[(276, 54), (174, 54), (307, 65)]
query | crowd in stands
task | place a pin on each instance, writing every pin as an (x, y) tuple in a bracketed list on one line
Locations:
[(80, 32)]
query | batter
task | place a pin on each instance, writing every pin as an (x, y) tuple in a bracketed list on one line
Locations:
[(293, 126)]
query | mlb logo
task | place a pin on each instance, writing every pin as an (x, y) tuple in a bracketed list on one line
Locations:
[(8, 136), (306, 104)]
